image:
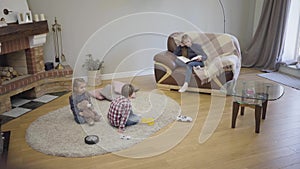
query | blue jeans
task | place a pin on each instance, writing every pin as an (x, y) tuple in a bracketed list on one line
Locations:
[(189, 68), (132, 119)]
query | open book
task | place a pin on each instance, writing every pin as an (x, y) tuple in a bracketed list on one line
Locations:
[(187, 60)]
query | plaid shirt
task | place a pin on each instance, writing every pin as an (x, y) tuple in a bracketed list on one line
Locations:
[(119, 111)]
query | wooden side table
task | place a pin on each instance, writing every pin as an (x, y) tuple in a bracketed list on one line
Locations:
[(260, 112), (254, 94)]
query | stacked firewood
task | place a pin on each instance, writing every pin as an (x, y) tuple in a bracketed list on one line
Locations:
[(7, 73)]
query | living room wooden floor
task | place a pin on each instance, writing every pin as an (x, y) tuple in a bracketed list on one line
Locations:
[(276, 146)]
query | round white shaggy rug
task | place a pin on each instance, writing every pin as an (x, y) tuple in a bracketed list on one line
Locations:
[(56, 133)]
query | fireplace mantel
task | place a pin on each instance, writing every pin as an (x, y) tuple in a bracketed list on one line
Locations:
[(15, 37), (17, 31), (30, 37)]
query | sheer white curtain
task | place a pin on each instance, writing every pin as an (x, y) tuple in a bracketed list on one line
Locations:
[(292, 42)]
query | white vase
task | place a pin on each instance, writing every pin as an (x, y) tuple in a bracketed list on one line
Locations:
[(94, 78)]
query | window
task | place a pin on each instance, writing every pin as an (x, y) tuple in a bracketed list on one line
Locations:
[(298, 45), (292, 43)]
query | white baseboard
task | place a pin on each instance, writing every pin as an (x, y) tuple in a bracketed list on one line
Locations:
[(119, 75)]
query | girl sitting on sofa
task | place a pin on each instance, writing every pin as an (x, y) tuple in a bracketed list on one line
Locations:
[(194, 53)]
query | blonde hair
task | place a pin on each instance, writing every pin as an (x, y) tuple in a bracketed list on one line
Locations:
[(185, 37), (127, 90), (77, 82)]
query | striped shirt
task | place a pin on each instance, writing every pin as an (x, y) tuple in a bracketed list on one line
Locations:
[(119, 111)]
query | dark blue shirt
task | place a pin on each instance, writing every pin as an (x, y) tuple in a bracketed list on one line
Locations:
[(74, 99), (192, 51)]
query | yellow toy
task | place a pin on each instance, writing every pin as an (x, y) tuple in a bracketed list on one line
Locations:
[(149, 121)]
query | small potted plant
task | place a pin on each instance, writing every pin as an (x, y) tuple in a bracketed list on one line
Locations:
[(94, 68)]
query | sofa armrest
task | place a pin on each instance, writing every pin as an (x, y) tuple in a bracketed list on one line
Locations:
[(166, 58)]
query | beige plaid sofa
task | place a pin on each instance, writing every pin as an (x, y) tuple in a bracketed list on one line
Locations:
[(223, 63)]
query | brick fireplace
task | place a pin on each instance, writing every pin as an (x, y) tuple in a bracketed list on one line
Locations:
[(21, 47)]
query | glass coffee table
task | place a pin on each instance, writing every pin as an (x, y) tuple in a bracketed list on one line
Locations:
[(254, 94)]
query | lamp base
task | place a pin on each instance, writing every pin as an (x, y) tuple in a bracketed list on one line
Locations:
[(59, 66)]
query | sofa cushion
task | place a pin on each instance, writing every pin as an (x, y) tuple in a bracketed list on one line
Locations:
[(117, 86), (166, 58), (112, 91), (108, 92), (171, 44), (97, 94)]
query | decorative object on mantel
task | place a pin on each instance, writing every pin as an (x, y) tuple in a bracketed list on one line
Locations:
[(24, 17), (3, 22), (6, 11), (58, 47), (94, 68), (10, 8), (36, 18), (42, 17), (39, 17)]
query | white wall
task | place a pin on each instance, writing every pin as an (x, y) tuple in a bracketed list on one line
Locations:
[(127, 33)]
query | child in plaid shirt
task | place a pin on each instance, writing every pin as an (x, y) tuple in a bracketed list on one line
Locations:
[(120, 112)]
